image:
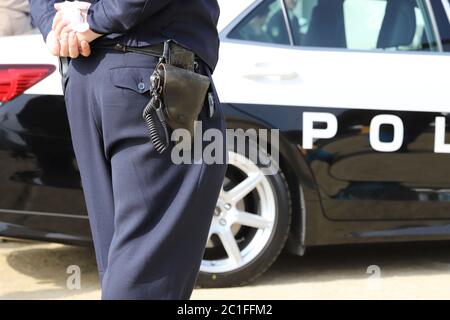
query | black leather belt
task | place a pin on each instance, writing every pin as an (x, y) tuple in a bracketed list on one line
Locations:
[(156, 50)]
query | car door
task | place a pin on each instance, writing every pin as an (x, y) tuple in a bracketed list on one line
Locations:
[(378, 68)]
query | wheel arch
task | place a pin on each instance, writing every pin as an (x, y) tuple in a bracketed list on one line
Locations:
[(301, 183)]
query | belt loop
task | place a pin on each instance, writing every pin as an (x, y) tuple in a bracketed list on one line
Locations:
[(166, 52)]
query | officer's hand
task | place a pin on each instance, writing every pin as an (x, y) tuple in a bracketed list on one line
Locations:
[(53, 43), (75, 47), (61, 26), (68, 44), (72, 44)]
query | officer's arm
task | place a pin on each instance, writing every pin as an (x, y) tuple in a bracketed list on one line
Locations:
[(42, 14), (119, 16)]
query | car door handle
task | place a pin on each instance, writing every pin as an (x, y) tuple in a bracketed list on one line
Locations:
[(268, 74), (268, 71)]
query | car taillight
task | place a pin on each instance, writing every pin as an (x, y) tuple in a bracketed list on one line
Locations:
[(15, 79)]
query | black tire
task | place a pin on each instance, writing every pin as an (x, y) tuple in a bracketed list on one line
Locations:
[(267, 256)]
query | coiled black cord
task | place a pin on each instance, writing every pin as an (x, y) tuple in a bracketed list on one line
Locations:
[(154, 108)]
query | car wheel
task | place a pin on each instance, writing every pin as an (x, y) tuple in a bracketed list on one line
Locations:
[(250, 224)]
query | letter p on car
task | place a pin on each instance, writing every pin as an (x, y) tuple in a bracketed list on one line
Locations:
[(310, 133)]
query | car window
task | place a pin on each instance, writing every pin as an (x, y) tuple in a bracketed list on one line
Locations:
[(400, 25), (393, 24), (266, 24)]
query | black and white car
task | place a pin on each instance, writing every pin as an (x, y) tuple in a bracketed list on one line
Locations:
[(359, 90)]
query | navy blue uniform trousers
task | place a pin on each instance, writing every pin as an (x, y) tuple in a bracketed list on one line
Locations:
[(149, 217)]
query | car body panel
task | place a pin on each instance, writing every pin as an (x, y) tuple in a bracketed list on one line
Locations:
[(39, 182), (16, 50), (332, 78)]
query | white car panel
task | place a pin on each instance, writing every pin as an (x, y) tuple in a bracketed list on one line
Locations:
[(252, 73), (31, 49)]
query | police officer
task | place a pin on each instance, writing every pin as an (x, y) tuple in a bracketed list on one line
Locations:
[(149, 217)]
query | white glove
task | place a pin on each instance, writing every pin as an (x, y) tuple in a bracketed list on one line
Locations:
[(75, 12)]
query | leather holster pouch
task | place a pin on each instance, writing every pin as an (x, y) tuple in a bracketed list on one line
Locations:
[(183, 94), (177, 94)]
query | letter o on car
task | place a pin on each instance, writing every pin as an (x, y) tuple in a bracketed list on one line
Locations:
[(397, 141)]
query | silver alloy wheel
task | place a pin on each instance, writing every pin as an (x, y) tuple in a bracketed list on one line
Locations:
[(230, 215)]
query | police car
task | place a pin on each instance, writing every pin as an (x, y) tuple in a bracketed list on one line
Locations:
[(358, 90)]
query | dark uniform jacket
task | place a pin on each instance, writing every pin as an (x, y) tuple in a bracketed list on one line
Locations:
[(191, 23)]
